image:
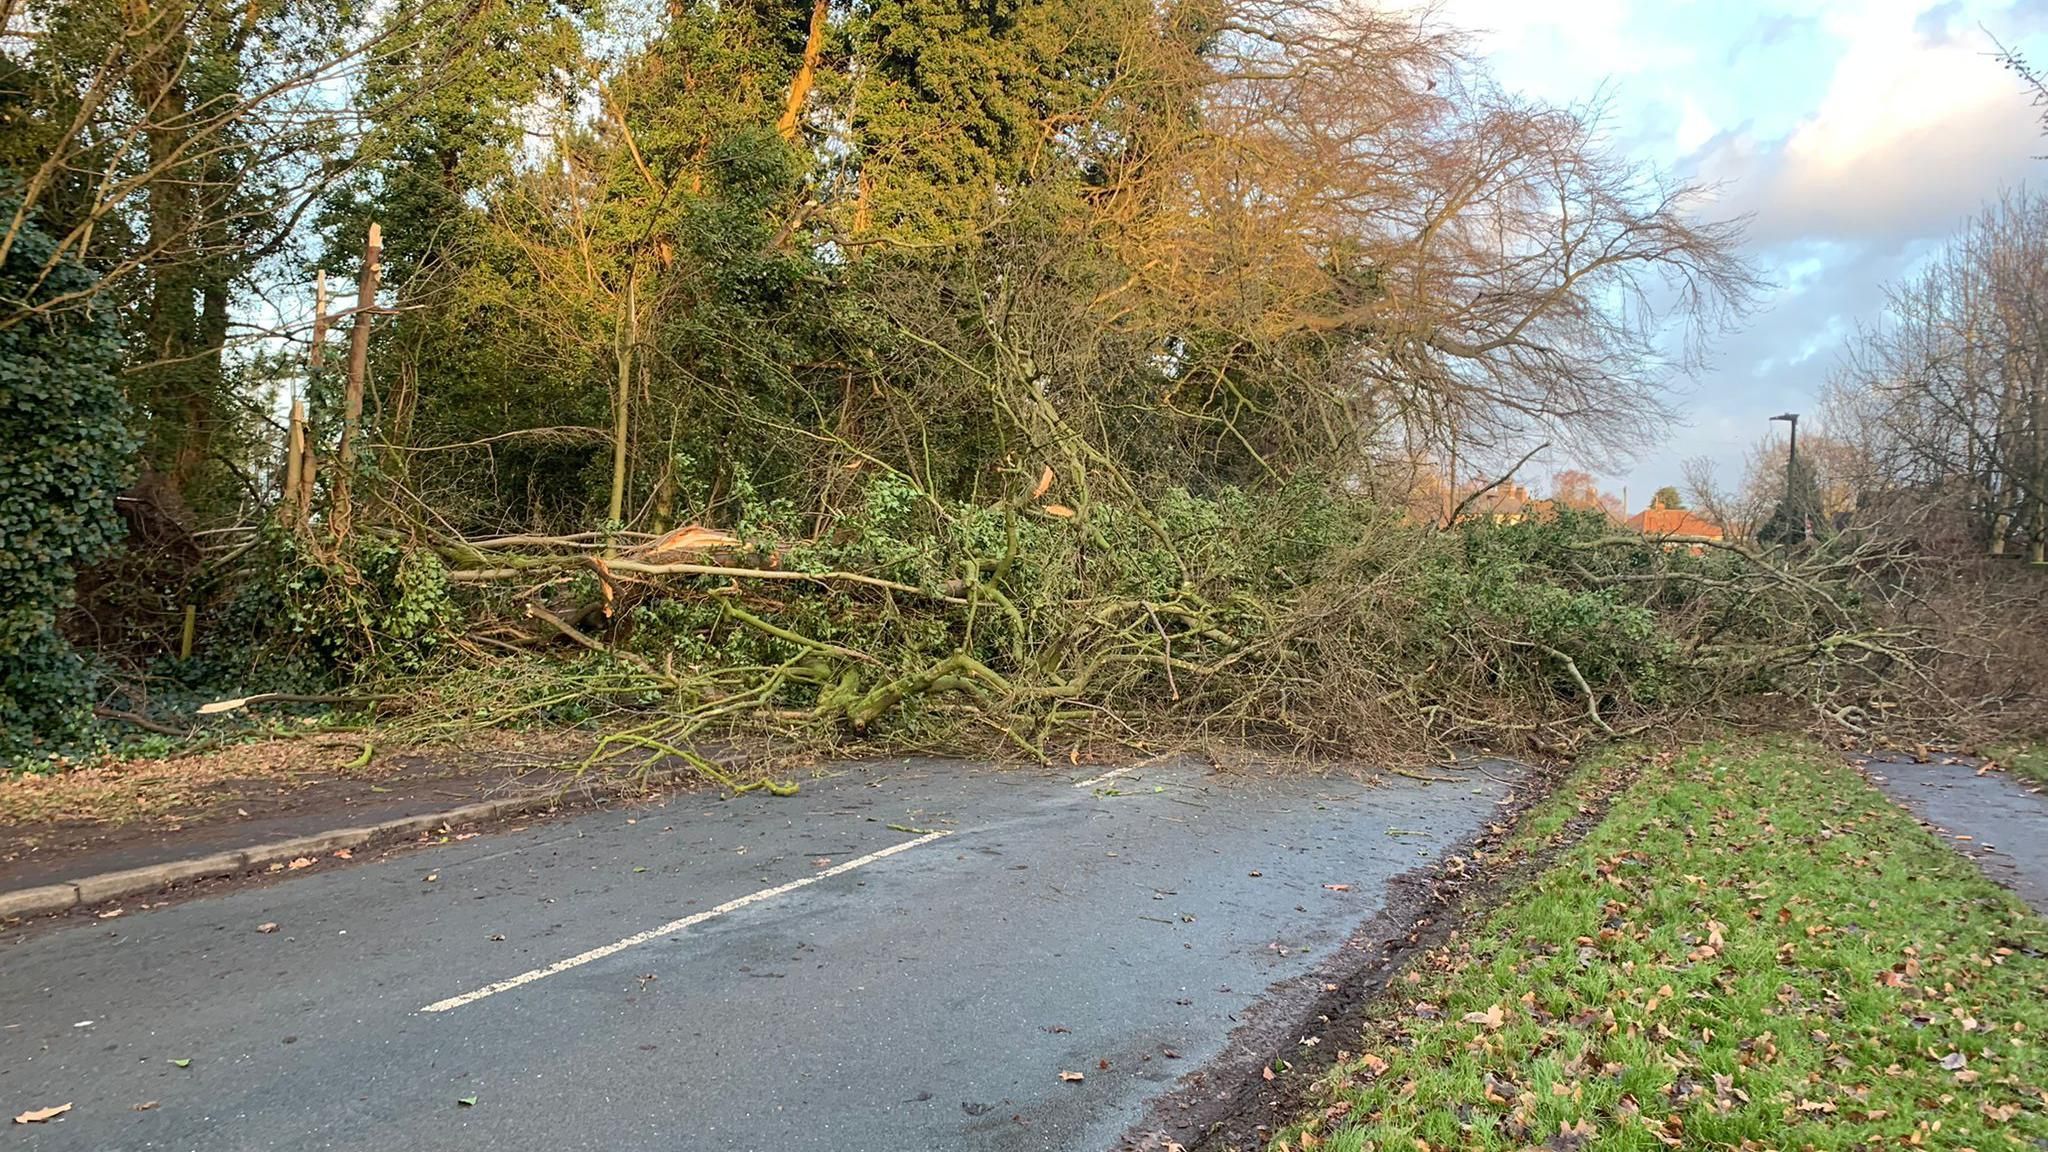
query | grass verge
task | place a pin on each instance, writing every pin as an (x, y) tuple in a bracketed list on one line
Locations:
[(1752, 950), (2027, 762)]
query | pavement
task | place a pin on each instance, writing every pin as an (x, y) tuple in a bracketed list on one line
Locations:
[(911, 955), (1989, 817)]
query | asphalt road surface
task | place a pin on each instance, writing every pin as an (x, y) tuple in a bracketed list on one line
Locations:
[(2006, 823), (754, 973)]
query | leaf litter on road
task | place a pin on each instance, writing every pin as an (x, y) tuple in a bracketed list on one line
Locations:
[(41, 1115)]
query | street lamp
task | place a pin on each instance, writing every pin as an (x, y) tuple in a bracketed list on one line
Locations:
[(1791, 418), (1793, 506)]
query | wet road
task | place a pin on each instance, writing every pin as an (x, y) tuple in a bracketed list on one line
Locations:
[(902, 956), (2006, 824)]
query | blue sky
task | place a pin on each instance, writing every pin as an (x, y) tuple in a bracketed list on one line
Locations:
[(1857, 134)]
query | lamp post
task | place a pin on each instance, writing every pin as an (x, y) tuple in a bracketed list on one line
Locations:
[(1793, 506), (1791, 418)]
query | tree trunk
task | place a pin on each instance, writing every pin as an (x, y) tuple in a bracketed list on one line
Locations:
[(316, 358), (179, 414), (628, 336), (294, 466), (358, 373), (806, 73), (2001, 517)]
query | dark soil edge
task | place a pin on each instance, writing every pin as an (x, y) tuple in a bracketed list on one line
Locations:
[(1229, 1105)]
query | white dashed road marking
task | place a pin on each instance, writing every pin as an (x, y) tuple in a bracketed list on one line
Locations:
[(675, 926), (1106, 777)]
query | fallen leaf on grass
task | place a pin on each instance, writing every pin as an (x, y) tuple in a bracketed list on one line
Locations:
[(1070, 1077), (1491, 1019), (38, 1115), (267, 927), (1572, 1136), (1955, 1061)]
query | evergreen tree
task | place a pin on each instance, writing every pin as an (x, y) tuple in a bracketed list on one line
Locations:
[(63, 420), (1798, 515)]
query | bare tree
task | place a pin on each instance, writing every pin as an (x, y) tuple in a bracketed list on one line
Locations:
[(1947, 397)]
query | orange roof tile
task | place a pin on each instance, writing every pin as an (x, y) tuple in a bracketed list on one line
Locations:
[(1673, 522)]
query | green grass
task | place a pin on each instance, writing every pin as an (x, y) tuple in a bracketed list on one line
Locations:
[(2027, 762), (1752, 950)]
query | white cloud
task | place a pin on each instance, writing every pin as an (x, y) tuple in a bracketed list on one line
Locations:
[(1695, 127), (1856, 133), (1909, 131)]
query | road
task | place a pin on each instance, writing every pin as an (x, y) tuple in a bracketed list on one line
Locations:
[(752, 973), (2005, 823)]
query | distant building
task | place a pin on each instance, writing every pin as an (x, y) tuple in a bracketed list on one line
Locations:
[(1506, 504), (1655, 521), (1659, 521)]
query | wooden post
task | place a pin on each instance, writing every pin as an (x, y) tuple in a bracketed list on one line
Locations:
[(186, 633), (358, 373)]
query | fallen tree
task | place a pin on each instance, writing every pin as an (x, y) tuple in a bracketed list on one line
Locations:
[(1209, 621)]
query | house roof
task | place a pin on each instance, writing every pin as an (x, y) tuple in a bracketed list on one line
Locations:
[(1673, 522)]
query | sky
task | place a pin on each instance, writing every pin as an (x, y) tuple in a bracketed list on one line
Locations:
[(1856, 135)]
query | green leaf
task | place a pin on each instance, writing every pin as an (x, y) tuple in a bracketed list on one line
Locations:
[(466, 1101), (181, 1063)]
